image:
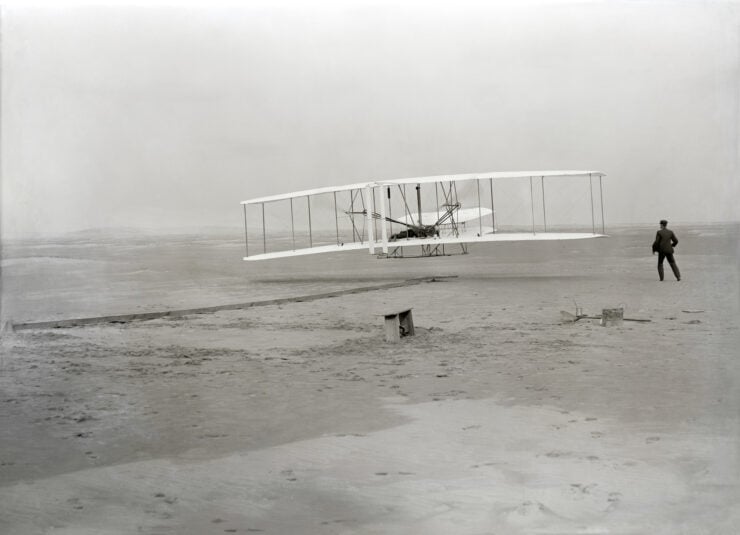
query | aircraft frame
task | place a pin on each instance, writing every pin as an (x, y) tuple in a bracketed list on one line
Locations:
[(431, 231)]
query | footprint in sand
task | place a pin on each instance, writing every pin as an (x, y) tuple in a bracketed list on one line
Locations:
[(530, 512), (579, 488), (487, 464), (75, 503), (338, 521), (290, 475), (167, 499), (558, 454)]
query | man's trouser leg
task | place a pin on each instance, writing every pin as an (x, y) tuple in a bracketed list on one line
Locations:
[(661, 257), (674, 266)]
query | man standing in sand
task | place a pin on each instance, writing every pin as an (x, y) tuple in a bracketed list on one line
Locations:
[(665, 241)]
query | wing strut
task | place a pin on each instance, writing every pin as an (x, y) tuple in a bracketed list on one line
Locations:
[(336, 216), (493, 211), (264, 230), (370, 236), (480, 213), (246, 233), (601, 196), (374, 207), (418, 203), (390, 208), (292, 223), (544, 211), (310, 232), (531, 198), (591, 189), (436, 197), (383, 229), (355, 232)]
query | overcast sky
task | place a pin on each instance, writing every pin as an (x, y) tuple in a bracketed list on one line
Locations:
[(128, 116)]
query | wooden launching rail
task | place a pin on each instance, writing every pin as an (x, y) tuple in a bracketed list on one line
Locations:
[(145, 316)]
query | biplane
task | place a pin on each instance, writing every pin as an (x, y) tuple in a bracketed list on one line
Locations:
[(438, 215)]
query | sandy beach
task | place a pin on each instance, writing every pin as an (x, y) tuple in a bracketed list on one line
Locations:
[(497, 417)]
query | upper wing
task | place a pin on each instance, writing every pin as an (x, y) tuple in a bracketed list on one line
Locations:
[(494, 175)]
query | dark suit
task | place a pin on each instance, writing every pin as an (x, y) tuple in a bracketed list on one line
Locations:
[(665, 241)]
